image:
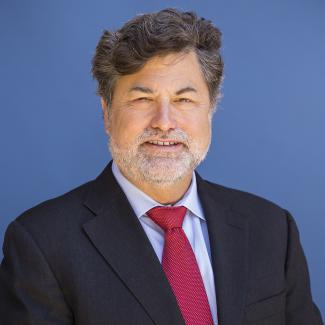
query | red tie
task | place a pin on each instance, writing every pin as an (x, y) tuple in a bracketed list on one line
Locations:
[(180, 266)]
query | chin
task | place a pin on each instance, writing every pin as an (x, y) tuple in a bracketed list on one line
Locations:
[(164, 171), (162, 179)]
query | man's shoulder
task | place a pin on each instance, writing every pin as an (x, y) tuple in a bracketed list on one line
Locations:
[(64, 210), (248, 205)]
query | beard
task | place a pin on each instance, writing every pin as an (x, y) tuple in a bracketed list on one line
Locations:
[(160, 169)]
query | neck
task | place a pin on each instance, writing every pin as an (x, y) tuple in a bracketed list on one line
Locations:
[(164, 193)]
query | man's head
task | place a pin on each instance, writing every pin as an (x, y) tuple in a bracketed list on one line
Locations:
[(159, 78), (157, 34)]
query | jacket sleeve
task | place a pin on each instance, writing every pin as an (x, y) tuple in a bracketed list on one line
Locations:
[(29, 292), (300, 309)]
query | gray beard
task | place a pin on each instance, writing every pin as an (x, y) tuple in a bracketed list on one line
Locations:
[(160, 171)]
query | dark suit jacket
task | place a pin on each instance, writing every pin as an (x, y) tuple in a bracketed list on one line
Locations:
[(83, 258)]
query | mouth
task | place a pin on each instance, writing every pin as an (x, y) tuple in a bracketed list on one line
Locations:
[(165, 145)]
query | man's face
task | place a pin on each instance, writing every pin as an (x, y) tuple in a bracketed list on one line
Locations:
[(159, 120)]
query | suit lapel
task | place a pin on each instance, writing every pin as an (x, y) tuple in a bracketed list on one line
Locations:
[(118, 236), (228, 234)]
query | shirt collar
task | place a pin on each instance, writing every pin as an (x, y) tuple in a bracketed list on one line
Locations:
[(141, 202)]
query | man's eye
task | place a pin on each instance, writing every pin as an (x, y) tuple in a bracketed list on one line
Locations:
[(143, 99), (184, 100)]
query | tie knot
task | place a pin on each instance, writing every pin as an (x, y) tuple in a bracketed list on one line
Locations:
[(167, 217)]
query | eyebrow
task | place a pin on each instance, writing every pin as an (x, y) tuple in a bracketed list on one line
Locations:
[(185, 90), (150, 91), (141, 89)]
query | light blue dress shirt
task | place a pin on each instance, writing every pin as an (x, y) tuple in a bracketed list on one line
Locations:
[(194, 226)]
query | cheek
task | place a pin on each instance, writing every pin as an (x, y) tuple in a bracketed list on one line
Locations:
[(199, 128), (125, 128), (205, 135)]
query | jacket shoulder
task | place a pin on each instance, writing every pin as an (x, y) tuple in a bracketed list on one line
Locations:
[(62, 210), (246, 204)]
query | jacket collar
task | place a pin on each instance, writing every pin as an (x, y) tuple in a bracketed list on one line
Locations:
[(228, 235), (119, 237)]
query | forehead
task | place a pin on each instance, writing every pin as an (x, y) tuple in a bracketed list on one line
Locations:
[(167, 72)]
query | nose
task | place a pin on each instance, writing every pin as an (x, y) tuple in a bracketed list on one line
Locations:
[(163, 118)]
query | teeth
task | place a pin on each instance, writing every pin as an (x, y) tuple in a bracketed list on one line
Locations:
[(163, 143)]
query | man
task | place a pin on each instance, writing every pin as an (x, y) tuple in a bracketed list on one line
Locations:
[(149, 241)]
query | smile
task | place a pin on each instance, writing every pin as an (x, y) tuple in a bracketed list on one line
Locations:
[(156, 146), (163, 143)]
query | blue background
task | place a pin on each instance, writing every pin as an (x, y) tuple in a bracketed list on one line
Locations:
[(268, 132)]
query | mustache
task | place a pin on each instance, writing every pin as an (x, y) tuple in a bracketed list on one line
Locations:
[(150, 134)]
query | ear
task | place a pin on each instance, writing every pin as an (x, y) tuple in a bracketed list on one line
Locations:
[(105, 109)]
